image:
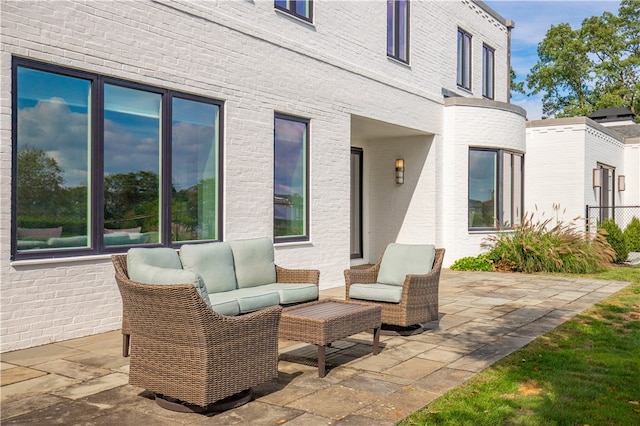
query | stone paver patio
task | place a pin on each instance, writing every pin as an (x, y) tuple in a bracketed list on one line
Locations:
[(484, 317)]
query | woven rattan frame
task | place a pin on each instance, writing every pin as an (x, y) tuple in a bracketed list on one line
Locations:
[(283, 276), (184, 350), (419, 303)]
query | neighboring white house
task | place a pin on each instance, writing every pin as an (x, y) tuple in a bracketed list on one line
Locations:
[(161, 122), (578, 162)]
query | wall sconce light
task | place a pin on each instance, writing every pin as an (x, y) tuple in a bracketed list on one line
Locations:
[(622, 184), (400, 171), (597, 178)]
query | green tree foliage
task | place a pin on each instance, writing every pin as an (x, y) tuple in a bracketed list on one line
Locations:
[(516, 86), (40, 182), (132, 199), (595, 66)]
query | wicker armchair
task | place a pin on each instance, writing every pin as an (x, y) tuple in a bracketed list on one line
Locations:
[(419, 303), (188, 354)]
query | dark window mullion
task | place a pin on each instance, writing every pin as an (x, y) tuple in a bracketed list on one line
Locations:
[(97, 166), (165, 170)]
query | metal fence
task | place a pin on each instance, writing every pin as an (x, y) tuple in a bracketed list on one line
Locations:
[(621, 215)]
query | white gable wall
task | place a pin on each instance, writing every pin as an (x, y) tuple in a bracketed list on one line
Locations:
[(631, 196), (561, 155)]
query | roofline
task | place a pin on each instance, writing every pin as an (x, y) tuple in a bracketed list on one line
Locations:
[(506, 22), (576, 120), (485, 103)]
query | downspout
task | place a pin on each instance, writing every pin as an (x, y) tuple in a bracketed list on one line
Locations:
[(510, 25)]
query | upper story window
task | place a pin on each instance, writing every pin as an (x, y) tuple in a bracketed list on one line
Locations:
[(495, 189), (464, 60), (291, 179), (398, 29), (104, 164), (488, 74), (302, 9)]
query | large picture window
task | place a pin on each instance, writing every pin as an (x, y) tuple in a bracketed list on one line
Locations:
[(464, 60), (495, 189), (302, 9), (398, 29), (103, 164), (291, 179)]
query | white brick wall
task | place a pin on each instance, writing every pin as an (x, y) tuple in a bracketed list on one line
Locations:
[(561, 155), (471, 124), (258, 61)]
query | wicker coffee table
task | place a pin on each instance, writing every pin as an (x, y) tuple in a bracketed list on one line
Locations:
[(326, 321)]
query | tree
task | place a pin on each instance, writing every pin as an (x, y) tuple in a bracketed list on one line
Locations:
[(516, 86), (596, 66), (39, 183)]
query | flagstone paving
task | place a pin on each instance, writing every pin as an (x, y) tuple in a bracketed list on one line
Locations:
[(483, 317)]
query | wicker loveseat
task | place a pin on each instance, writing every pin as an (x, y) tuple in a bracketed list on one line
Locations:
[(404, 282), (233, 278), (191, 357)]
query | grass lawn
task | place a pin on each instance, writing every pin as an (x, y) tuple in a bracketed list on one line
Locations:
[(585, 372)]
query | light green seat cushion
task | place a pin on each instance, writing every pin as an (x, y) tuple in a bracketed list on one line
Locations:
[(378, 292), (253, 260), (400, 260), (248, 299), (161, 266), (293, 293), (225, 307), (213, 262)]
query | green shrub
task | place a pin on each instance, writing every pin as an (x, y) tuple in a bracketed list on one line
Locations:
[(470, 263), (540, 246), (632, 233), (617, 239)]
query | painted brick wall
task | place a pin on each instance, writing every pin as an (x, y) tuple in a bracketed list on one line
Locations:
[(257, 61), (471, 126), (558, 167)]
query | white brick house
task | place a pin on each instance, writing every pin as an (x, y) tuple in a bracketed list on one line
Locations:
[(364, 93), (577, 162)]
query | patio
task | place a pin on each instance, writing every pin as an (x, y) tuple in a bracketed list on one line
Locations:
[(484, 317)]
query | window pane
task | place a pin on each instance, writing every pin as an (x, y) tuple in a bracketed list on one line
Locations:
[(517, 189), (194, 206), (507, 176), (131, 165), (487, 72), (290, 174), (53, 115), (466, 58), (390, 28), (482, 189), (302, 8), (398, 29), (460, 67)]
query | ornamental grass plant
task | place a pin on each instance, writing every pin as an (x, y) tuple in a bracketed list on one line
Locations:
[(549, 245)]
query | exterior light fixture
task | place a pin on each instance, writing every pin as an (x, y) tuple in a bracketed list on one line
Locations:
[(399, 171), (597, 178), (622, 184)]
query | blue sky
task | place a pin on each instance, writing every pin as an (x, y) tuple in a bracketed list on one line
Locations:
[(533, 18)]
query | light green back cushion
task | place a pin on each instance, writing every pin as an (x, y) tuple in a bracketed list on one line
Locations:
[(253, 261), (213, 262), (400, 260), (163, 257), (161, 266)]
